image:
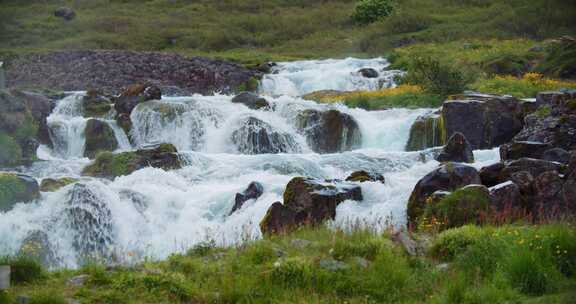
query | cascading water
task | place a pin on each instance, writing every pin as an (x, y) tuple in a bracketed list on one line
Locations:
[(224, 147)]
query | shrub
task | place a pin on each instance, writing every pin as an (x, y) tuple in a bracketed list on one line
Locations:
[(453, 242), (23, 269), (481, 258), (369, 11), (436, 77), (531, 274)]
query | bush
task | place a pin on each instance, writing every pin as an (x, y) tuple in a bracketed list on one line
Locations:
[(530, 273), (453, 242), (23, 269), (369, 11), (436, 77)]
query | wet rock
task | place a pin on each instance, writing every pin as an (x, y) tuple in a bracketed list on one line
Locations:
[(278, 219), (520, 149), (266, 67), (17, 131), (96, 104), (140, 201), (533, 166), (258, 137), (251, 100), (505, 196), (448, 177), (17, 188), (65, 13), (457, 149), (487, 121), (490, 175), (329, 131), (53, 185), (40, 106), (109, 165), (37, 247), (90, 222), (558, 155), (368, 73), (426, 132), (254, 191), (99, 137), (364, 176), (135, 94)]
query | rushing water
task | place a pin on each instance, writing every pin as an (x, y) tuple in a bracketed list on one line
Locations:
[(153, 213)]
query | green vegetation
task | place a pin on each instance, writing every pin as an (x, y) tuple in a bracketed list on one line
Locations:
[(11, 188), (509, 264), (110, 164), (435, 77), (23, 269), (526, 87), (370, 11)]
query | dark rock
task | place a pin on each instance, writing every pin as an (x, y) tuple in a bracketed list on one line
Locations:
[(426, 132), (109, 165), (96, 104), (17, 188), (549, 200), (40, 107), (533, 166), (254, 191), (487, 121), (525, 182), (78, 70), (37, 247), (505, 196), (364, 176), (65, 12), (368, 73), (266, 67), (490, 175), (558, 155), (17, 131), (457, 149), (251, 100), (448, 177), (329, 131), (99, 137), (520, 149), (278, 219), (258, 137), (135, 94), (53, 185)]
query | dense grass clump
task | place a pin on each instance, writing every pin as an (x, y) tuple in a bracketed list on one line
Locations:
[(23, 269)]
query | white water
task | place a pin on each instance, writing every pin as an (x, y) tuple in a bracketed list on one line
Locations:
[(155, 213)]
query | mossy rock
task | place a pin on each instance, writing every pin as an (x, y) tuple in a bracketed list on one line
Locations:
[(18, 131), (53, 185), (110, 165), (463, 206), (15, 188), (426, 132), (251, 85), (99, 137)]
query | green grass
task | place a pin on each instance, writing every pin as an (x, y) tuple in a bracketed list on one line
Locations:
[(509, 264)]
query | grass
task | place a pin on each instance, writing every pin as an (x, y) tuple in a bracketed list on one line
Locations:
[(507, 264), (526, 87)]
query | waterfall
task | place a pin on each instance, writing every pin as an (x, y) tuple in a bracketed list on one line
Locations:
[(224, 146)]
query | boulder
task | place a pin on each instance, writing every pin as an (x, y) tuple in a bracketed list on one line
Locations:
[(490, 175), (135, 94), (533, 166), (520, 149), (16, 188), (426, 132), (37, 247), (109, 165), (254, 191), (448, 177), (324, 95), (549, 202), (251, 100), (525, 182), (506, 197), (99, 137), (53, 185), (329, 131), (18, 131), (457, 149), (364, 176), (96, 104), (65, 13), (258, 137), (487, 121), (278, 219), (40, 105), (368, 73), (558, 155)]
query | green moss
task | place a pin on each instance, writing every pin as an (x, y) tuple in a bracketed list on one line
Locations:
[(251, 85), (96, 109), (52, 185), (10, 151), (543, 111), (11, 187), (426, 132)]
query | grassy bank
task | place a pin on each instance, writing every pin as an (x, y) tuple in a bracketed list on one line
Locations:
[(510, 264)]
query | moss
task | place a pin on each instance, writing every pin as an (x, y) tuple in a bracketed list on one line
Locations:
[(426, 132), (52, 185), (543, 112), (10, 151), (96, 109), (11, 187), (123, 163), (251, 85)]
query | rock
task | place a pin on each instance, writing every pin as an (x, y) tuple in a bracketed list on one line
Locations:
[(443, 267), (448, 177), (65, 13), (548, 184), (332, 265), (329, 131), (487, 121), (17, 131), (368, 73), (457, 149), (90, 222), (278, 220), (99, 137), (37, 247), (258, 137), (525, 182), (533, 166), (266, 67), (78, 281), (251, 100), (520, 149), (40, 106), (324, 95), (411, 247), (558, 155), (254, 191), (109, 165), (549, 199), (506, 196), (490, 175), (53, 185), (96, 104), (135, 94), (140, 201), (17, 188), (363, 176), (315, 200), (361, 262), (426, 132), (80, 69), (300, 243)]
